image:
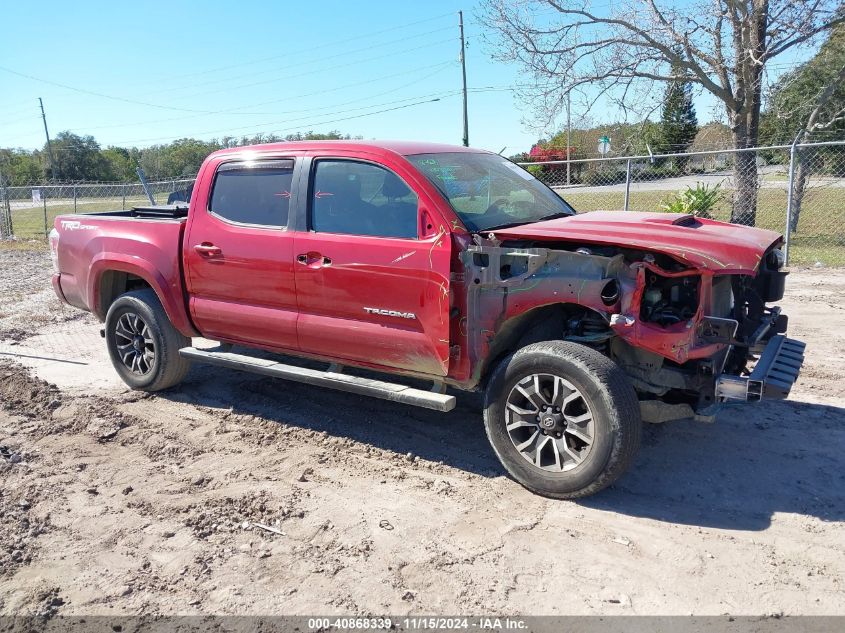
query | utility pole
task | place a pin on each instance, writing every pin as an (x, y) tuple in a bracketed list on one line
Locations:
[(49, 146), (568, 135), (464, 72)]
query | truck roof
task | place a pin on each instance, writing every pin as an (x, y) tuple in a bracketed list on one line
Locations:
[(404, 148)]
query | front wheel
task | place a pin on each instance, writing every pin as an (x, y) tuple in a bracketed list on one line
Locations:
[(143, 344), (563, 419)]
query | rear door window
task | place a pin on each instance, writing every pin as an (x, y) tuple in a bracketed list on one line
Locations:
[(256, 193), (356, 198)]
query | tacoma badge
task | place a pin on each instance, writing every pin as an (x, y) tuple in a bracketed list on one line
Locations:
[(393, 313)]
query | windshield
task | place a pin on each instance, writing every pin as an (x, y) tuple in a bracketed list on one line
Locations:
[(488, 191)]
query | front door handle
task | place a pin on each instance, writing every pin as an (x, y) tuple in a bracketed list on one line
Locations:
[(313, 260), (208, 250)]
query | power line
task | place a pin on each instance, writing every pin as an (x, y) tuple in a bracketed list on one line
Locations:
[(32, 116), (310, 50), (344, 54), (228, 88), (439, 68), (96, 94), (404, 72), (307, 73), (411, 71), (300, 126), (254, 126), (29, 108), (194, 74)]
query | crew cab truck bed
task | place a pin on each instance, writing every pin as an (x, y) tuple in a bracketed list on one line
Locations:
[(445, 264)]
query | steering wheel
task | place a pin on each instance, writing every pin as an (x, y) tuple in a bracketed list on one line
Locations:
[(496, 210)]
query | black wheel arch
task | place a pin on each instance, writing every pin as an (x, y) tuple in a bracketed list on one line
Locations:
[(540, 324)]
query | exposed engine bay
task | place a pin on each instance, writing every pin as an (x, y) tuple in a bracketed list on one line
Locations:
[(674, 329)]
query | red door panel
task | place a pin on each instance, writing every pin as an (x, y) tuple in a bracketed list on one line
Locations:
[(368, 289), (239, 268), (381, 301)]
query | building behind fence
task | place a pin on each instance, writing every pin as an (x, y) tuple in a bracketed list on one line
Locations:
[(769, 187)]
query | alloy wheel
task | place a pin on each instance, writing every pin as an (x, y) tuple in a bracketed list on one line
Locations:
[(549, 422), (135, 345)]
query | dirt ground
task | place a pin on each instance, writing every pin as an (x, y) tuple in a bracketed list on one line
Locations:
[(115, 502)]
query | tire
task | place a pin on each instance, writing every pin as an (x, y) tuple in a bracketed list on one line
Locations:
[(580, 447), (143, 344)]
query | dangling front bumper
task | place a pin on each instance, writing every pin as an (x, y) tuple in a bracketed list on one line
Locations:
[(772, 377)]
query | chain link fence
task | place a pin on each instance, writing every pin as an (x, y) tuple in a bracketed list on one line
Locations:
[(758, 187), (27, 212)]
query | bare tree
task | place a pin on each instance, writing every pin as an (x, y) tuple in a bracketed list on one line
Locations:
[(621, 50)]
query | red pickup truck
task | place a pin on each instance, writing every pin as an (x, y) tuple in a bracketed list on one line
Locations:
[(446, 264)]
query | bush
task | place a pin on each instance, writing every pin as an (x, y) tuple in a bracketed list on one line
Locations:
[(699, 201), (604, 177), (834, 164), (658, 172)]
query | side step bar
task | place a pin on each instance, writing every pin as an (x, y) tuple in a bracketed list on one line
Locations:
[(332, 380)]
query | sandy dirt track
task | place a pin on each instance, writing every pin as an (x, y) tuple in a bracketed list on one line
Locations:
[(115, 502)]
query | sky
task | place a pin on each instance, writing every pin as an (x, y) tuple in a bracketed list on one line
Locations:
[(138, 74)]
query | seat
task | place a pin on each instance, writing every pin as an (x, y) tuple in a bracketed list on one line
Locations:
[(338, 207), (398, 218)]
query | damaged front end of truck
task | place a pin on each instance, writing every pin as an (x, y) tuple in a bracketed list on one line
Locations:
[(692, 329)]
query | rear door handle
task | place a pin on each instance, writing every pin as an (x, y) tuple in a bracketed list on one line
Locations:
[(208, 250)]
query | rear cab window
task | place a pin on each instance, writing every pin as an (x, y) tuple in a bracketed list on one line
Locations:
[(254, 193)]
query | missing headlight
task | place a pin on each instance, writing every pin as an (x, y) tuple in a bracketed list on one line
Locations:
[(669, 300)]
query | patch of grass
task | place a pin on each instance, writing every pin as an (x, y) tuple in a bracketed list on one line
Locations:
[(29, 223), (24, 245)]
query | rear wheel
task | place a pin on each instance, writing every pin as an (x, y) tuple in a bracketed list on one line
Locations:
[(563, 419), (143, 344)]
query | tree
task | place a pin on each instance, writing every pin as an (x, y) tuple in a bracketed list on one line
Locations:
[(724, 46), (334, 135), (177, 159), (710, 136), (81, 158), (804, 102), (678, 124), (20, 167), (78, 158), (810, 98), (626, 138), (120, 164)]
